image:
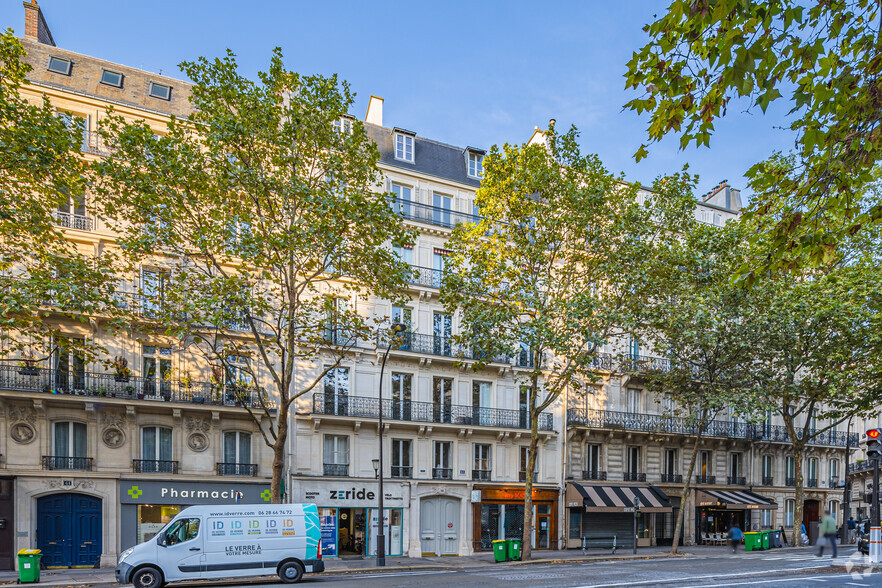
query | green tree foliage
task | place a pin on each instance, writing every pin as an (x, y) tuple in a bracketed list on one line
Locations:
[(823, 58), (545, 275), (44, 277), (263, 207)]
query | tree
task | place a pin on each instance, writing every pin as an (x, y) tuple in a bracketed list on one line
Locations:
[(42, 273), (545, 273), (695, 317), (262, 207), (826, 58)]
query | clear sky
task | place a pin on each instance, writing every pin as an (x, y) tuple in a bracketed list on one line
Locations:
[(461, 72)]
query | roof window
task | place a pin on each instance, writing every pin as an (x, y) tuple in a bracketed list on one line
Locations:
[(160, 91), (111, 78), (60, 66)]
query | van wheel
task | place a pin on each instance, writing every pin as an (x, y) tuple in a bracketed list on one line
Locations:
[(291, 572), (147, 577)]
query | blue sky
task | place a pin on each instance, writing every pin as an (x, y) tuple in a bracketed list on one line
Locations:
[(465, 73)]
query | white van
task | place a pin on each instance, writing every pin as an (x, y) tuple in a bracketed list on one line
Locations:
[(228, 542)]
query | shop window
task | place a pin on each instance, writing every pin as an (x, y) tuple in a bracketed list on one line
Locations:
[(152, 518), (182, 530), (575, 524), (336, 455)]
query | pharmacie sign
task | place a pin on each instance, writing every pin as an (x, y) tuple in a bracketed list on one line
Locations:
[(152, 492)]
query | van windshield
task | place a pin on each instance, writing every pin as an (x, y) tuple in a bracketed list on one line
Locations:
[(181, 530)]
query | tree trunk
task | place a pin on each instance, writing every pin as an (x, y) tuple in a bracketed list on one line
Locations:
[(687, 485), (527, 537), (279, 455), (798, 450)]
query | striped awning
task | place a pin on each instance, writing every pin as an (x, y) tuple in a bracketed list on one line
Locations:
[(605, 498), (734, 500)]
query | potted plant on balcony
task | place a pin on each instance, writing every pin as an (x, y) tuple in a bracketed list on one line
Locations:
[(121, 371), (27, 366), (101, 392)]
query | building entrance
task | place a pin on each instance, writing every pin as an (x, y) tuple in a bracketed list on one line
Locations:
[(69, 530), (350, 531)]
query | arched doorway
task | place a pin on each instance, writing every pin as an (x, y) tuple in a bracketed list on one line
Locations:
[(69, 530), (439, 525)]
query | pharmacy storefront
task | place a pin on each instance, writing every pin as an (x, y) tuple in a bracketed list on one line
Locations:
[(348, 514), (147, 505)]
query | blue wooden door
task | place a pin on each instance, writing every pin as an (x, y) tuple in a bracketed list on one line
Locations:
[(69, 530)]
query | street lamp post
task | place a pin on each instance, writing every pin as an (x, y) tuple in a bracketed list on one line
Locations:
[(846, 498), (395, 330)]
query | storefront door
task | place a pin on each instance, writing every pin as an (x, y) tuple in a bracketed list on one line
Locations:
[(7, 528), (350, 531), (439, 525)]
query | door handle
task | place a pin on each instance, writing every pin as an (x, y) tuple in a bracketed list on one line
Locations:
[(195, 549)]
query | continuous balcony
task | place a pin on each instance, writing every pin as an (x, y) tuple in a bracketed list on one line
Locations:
[(435, 345), (433, 215), (425, 412), (860, 466), (656, 423), (110, 385), (425, 276)]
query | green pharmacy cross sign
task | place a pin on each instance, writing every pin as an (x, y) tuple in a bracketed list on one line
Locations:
[(135, 492)]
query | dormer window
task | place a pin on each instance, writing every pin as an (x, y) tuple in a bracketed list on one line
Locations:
[(111, 78), (160, 91), (343, 125), (404, 145), (60, 66), (475, 163)]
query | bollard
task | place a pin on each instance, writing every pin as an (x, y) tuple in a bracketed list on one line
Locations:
[(875, 544)]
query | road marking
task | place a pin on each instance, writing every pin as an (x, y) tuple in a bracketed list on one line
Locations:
[(711, 577), (822, 579), (355, 575)]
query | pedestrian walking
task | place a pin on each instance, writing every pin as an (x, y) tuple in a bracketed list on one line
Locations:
[(828, 533), (851, 525), (735, 536)]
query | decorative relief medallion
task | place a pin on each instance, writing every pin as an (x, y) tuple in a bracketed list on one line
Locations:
[(197, 424), (197, 442), (21, 414), (22, 433), (113, 437)]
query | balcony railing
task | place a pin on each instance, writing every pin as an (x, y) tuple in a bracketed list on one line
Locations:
[(481, 475), (768, 481), (790, 482), (593, 475), (657, 423), (442, 473), (72, 221), (425, 276), (434, 345), (425, 412), (109, 385), (94, 143), (522, 476), (402, 471), (60, 462), (811, 483), (237, 469), (432, 215), (672, 478), (736, 480), (154, 466), (340, 470), (645, 363), (705, 479), (634, 476), (860, 466)]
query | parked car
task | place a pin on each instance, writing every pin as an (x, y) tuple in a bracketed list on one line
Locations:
[(864, 544)]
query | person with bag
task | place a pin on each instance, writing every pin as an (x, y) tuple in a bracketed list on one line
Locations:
[(828, 533), (735, 536)]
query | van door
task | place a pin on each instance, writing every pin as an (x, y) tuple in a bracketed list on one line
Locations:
[(181, 547)]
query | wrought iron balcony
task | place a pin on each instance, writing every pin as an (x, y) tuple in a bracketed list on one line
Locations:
[(672, 478), (705, 479), (432, 215), (768, 481), (154, 466), (790, 482), (522, 476), (645, 363), (634, 476), (61, 462), (72, 221), (811, 483), (237, 469), (95, 144), (340, 470), (425, 276), (110, 385), (860, 466), (442, 473), (402, 471), (425, 412), (736, 480), (434, 345), (593, 475), (481, 475), (658, 423)]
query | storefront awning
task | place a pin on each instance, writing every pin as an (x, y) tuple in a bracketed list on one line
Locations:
[(604, 498), (734, 500)]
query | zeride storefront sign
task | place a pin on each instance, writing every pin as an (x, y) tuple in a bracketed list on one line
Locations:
[(191, 493), (348, 495)]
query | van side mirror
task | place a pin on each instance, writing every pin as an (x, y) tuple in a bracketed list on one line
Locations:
[(160, 540)]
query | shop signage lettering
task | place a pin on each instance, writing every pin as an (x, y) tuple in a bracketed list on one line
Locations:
[(362, 494), (215, 494), (187, 493)]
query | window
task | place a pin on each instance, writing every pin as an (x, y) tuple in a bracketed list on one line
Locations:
[(481, 468), (789, 506), (343, 125), (336, 386), (789, 471), (476, 164), (182, 530), (592, 461), (401, 467), (525, 463), (157, 363), (336, 457), (237, 452), (766, 519), (402, 384), (441, 399), (671, 462), (156, 450), (768, 466), (634, 404), (442, 329), (154, 284), (812, 472), (402, 201), (60, 66), (441, 212), (439, 261), (834, 471), (634, 348), (335, 333), (69, 439), (160, 91), (405, 254), (633, 460), (575, 524), (524, 406), (705, 467), (442, 469), (404, 147), (481, 392), (734, 466), (111, 78), (69, 364), (834, 509), (403, 315)]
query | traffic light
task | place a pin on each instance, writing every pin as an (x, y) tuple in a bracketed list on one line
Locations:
[(874, 443)]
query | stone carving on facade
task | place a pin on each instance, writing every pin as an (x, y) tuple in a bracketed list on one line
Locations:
[(23, 414), (197, 442), (113, 437), (113, 419), (22, 433), (81, 483), (197, 424)]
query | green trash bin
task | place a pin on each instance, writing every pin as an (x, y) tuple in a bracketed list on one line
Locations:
[(500, 550), (29, 565), (753, 542), (514, 549), (766, 539)]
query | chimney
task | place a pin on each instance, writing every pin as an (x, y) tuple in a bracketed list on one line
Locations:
[(374, 114), (36, 28)]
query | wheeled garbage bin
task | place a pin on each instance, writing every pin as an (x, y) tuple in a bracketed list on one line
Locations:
[(500, 550), (774, 538), (765, 536), (753, 542), (514, 549), (29, 565)]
